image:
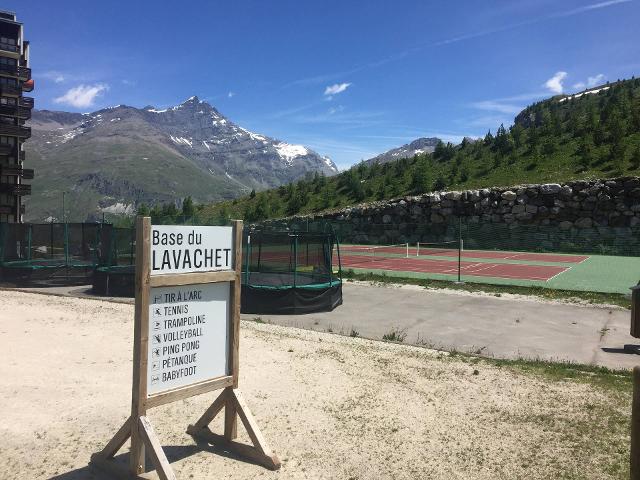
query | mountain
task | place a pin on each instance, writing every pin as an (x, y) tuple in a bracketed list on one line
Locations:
[(421, 145), (589, 134), (116, 158)]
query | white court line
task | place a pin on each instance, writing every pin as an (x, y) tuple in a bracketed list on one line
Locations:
[(566, 269)]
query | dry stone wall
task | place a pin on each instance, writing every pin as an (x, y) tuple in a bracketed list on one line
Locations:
[(567, 216)]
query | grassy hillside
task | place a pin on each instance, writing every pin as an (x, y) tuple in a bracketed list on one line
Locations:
[(595, 134), (105, 172)]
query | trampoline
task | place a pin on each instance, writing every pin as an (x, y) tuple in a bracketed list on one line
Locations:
[(50, 254), (290, 273), (115, 273)]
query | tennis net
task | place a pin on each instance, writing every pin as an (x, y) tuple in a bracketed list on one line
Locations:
[(377, 251), (442, 249)]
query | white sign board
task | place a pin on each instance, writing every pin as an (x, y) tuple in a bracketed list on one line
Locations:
[(185, 249), (187, 335)]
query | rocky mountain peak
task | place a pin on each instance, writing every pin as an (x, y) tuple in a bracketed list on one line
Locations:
[(144, 149), (416, 147)]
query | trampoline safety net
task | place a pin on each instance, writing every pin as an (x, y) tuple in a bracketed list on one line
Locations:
[(50, 253), (115, 273), (290, 273)]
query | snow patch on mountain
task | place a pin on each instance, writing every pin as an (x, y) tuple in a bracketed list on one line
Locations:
[(578, 95), (288, 152)]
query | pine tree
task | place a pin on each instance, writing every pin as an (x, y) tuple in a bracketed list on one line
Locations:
[(188, 209), (635, 158), (143, 210)]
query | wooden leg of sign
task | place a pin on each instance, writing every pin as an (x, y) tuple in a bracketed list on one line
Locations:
[(260, 452), (115, 443), (230, 419), (149, 442), (154, 449), (104, 459)]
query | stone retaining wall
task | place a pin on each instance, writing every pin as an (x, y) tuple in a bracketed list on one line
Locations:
[(566, 216)]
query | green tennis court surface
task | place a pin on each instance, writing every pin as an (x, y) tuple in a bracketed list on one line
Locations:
[(597, 273)]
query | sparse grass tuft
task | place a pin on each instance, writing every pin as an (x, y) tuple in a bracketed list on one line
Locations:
[(395, 335)]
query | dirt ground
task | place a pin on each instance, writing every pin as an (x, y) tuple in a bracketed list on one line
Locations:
[(332, 407)]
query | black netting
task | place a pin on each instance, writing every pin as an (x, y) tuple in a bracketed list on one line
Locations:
[(50, 253), (288, 260)]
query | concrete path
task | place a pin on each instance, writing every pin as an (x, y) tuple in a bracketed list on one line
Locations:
[(504, 327), (494, 326)]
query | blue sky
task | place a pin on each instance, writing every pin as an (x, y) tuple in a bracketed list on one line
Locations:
[(348, 78)]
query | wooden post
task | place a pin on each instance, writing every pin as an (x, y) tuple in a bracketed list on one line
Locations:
[(140, 343), (230, 414), (635, 426)]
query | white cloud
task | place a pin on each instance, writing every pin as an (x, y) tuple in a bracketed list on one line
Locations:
[(593, 6), (337, 109), (231, 94), (554, 84), (591, 82), (336, 88), (82, 95), (54, 76), (497, 106)]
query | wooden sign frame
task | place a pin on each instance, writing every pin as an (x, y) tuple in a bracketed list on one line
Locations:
[(144, 441)]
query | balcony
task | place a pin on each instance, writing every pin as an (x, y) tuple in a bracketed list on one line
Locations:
[(16, 171), (28, 85), (15, 130), (15, 111), (23, 73), (26, 102), (17, 189)]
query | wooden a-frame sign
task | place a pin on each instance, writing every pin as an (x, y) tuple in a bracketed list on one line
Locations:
[(206, 272)]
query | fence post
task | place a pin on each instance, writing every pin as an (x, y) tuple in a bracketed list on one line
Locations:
[(635, 426), (29, 232), (295, 259), (460, 243)]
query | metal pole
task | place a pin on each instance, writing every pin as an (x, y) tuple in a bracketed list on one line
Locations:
[(63, 213), (460, 249), (635, 426), (66, 244), (29, 232), (295, 259), (246, 262)]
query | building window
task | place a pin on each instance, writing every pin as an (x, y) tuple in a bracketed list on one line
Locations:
[(8, 43), (10, 82), (12, 62), (8, 101)]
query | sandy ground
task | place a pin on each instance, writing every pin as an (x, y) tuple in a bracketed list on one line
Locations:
[(332, 407)]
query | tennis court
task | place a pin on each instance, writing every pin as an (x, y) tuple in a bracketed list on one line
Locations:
[(449, 261)]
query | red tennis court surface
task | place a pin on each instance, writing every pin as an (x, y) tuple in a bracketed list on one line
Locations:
[(453, 252), (422, 265)]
